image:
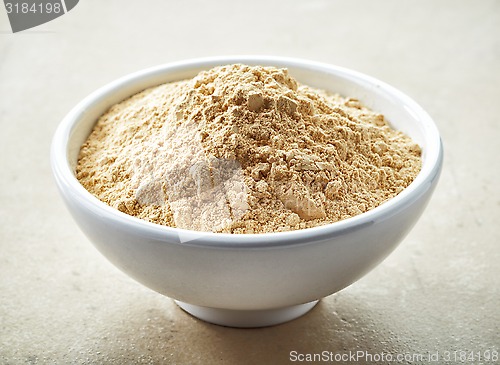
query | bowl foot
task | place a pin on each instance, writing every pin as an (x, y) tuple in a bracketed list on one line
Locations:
[(247, 318)]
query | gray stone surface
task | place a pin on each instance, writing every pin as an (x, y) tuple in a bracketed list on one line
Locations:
[(62, 302)]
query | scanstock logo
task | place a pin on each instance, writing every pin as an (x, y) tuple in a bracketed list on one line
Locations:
[(25, 14)]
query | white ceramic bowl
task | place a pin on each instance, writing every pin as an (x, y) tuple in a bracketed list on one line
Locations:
[(248, 280)]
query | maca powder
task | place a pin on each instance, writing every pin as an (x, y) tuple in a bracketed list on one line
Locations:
[(244, 149)]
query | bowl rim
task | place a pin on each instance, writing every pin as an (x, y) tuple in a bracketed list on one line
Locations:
[(69, 185)]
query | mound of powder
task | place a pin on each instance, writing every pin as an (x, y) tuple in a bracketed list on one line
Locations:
[(244, 149)]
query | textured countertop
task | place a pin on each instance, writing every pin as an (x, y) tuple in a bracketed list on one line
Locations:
[(438, 293)]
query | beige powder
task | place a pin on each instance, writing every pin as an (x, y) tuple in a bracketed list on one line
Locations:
[(244, 149)]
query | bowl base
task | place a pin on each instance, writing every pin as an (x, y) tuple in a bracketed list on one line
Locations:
[(247, 318)]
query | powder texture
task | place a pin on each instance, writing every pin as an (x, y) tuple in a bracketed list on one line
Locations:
[(244, 149)]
